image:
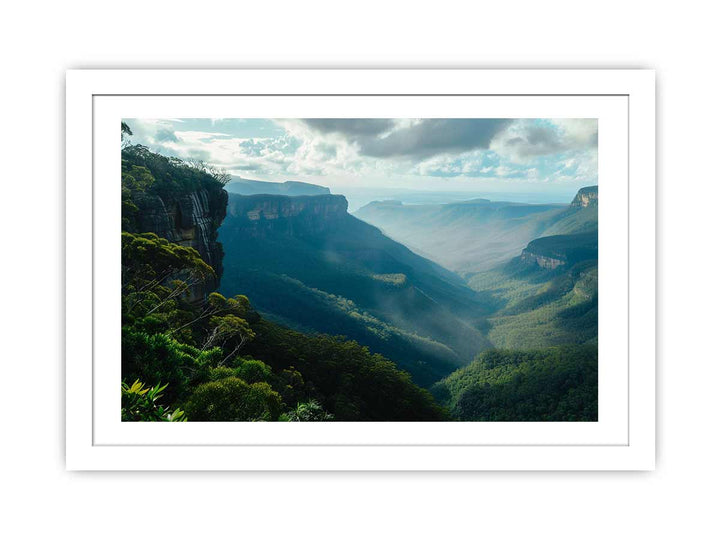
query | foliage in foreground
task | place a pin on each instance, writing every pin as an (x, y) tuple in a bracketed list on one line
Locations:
[(311, 411), (140, 404)]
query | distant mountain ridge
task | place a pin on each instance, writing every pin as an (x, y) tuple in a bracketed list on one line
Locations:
[(477, 235), (292, 188)]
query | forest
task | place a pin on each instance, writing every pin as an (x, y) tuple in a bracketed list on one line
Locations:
[(255, 307)]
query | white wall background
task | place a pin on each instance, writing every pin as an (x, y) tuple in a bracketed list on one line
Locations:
[(40, 40)]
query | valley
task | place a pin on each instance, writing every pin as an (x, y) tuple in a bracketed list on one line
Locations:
[(270, 301), (308, 263), (312, 266)]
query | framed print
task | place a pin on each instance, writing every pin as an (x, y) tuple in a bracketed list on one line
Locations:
[(360, 270)]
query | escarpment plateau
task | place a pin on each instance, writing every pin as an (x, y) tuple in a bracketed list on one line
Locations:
[(563, 249), (263, 215)]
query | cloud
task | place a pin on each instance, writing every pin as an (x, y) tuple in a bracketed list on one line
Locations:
[(420, 138), (351, 126), (536, 141), (405, 151), (435, 136), (579, 131), (526, 139)]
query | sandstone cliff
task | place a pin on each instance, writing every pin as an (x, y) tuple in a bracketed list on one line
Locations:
[(260, 215), (190, 219), (550, 252), (542, 261), (586, 197)]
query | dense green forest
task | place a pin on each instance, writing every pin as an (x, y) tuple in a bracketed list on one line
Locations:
[(540, 307), (286, 308), (553, 384)]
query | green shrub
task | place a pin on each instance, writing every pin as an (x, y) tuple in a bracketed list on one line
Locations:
[(155, 358), (233, 400)]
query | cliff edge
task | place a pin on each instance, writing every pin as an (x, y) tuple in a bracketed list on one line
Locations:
[(177, 202)]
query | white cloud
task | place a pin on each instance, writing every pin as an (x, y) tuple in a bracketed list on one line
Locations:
[(580, 132), (525, 140)]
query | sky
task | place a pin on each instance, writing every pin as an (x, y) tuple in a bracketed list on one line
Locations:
[(551, 156)]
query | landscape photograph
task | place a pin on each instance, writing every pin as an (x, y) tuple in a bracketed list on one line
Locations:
[(359, 269)]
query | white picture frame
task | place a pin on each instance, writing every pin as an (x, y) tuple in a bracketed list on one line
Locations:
[(622, 439)]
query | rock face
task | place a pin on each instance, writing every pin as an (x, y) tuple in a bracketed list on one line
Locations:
[(261, 215), (586, 197), (542, 261), (550, 252), (190, 219)]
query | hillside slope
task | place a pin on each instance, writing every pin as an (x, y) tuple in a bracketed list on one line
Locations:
[(552, 384), (548, 295), (305, 262)]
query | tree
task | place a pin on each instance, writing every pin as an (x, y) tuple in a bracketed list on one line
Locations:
[(252, 371), (148, 260), (229, 329), (219, 174), (125, 133)]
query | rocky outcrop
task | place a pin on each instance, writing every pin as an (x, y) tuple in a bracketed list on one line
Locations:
[(542, 261), (550, 252), (261, 215), (189, 219), (586, 197)]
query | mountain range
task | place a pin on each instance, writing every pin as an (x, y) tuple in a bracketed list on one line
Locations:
[(477, 235)]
